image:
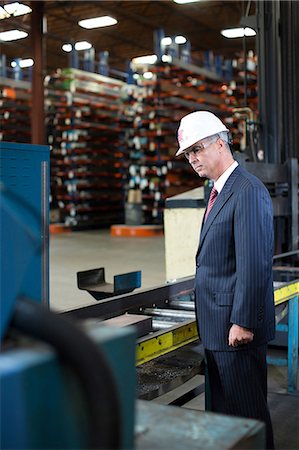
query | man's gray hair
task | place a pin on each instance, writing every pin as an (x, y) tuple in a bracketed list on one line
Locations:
[(224, 136)]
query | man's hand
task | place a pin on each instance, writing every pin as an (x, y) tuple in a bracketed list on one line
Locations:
[(239, 335)]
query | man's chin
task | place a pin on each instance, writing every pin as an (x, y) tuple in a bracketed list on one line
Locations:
[(200, 172)]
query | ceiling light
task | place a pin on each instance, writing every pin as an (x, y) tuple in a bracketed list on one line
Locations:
[(166, 58), (22, 63), (14, 9), (166, 41), (182, 2), (148, 59), (97, 22), (67, 48), (180, 40), (232, 33), (83, 45), (249, 32), (148, 75), (3, 14), (12, 35)]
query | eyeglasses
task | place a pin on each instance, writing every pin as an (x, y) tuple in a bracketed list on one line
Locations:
[(198, 148)]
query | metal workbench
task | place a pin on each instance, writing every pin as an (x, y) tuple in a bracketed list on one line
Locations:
[(165, 340)]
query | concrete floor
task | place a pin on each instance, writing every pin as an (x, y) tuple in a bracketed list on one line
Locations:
[(77, 251)]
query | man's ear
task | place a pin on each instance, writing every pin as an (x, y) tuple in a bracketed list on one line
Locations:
[(220, 145)]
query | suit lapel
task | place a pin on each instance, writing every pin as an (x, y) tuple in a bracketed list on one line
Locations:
[(218, 205), (222, 198)]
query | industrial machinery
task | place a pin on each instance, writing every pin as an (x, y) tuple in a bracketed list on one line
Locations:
[(277, 137), (61, 387), (171, 311)]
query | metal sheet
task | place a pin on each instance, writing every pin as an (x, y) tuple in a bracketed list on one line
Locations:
[(170, 427)]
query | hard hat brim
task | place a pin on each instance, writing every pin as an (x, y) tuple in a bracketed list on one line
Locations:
[(189, 144)]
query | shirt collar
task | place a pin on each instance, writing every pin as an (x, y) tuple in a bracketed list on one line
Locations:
[(224, 177)]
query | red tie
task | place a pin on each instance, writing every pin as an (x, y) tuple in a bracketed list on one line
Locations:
[(212, 199)]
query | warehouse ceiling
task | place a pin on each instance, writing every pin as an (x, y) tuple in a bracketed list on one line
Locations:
[(133, 35)]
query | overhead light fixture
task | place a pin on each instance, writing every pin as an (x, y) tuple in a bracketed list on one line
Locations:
[(83, 45), (67, 48), (23, 63), (182, 2), (180, 40), (148, 75), (148, 59), (12, 35), (97, 22), (166, 41), (166, 58), (232, 33), (14, 9)]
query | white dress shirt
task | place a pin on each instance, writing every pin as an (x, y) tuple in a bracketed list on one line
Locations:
[(218, 185)]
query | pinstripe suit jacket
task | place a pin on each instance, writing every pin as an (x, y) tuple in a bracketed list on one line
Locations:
[(233, 283)]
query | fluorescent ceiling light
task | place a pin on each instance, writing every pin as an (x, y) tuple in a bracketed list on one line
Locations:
[(166, 58), (166, 41), (180, 40), (148, 59), (67, 48), (23, 63), (182, 2), (14, 9), (232, 33), (148, 75), (97, 22), (12, 35), (249, 31), (83, 45)]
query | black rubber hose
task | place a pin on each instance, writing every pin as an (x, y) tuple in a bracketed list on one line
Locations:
[(86, 359)]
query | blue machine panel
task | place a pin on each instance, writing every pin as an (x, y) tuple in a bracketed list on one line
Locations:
[(42, 402), (24, 230)]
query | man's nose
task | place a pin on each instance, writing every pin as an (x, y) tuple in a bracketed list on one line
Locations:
[(192, 156)]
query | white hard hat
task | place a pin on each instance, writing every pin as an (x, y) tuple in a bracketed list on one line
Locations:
[(196, 126)]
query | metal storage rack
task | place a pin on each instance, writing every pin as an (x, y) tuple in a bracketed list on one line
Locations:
[(175, 89), (108, 136), (85, 126), (15, 110)]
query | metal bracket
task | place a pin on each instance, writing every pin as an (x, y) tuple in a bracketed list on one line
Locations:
[(94, 282)]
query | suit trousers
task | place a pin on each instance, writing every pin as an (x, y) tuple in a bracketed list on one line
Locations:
[(236, 384)]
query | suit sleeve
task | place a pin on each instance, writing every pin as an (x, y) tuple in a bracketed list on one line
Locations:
[(253, 235)]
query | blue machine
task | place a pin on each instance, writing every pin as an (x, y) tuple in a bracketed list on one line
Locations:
[(24, 227), (78, 390), (45, 404)]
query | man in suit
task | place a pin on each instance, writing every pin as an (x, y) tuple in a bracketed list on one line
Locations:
[(233, 282)]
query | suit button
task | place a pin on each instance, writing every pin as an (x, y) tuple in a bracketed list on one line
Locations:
[(197, 266)]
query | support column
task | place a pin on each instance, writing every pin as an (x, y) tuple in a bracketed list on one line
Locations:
[(37, 112)]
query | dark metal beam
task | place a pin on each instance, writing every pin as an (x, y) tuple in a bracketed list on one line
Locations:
[(157, 296), (269, 79), (289, 26), (293, 203), (37, 111)]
